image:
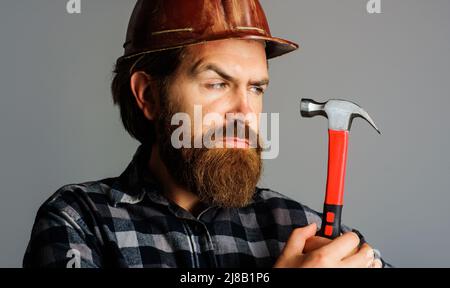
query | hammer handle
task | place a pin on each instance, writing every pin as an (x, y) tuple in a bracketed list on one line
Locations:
[(331, 221), (334, 199)]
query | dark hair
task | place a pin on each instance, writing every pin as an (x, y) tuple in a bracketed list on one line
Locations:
[(160, 66)]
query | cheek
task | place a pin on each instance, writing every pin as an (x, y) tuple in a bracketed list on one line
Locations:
[(222, 106), (256, 103), (203, 115), (205, 112), (257, 108), (210, 119)]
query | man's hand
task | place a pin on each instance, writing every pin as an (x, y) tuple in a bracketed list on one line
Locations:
[(304, 250)]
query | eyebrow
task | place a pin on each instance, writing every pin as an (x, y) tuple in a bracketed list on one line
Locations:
[(200, 67)]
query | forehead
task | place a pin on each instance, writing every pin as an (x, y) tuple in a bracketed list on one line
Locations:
[(248, 54)]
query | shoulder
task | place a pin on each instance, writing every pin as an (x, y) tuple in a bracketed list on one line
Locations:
[(284, 206), (74, 210), (96, 191), (74, 202), (68, 220)]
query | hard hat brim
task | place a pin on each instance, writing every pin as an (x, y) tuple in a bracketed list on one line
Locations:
[(275, 47)]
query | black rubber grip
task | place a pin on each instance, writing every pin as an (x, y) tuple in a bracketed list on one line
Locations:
[(331, 221)]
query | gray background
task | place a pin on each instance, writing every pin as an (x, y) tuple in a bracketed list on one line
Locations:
[(58, 124)]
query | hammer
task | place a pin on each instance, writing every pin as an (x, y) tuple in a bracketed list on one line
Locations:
[(340, 114)]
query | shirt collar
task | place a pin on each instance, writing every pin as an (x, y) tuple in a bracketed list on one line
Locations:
[(136, 181)]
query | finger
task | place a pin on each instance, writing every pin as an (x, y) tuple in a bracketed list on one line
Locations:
[(297, 239), (315, 243), (342, 246), (377, 264), (364, 258)]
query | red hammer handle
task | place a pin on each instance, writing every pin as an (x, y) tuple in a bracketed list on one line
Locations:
[(334, 200)]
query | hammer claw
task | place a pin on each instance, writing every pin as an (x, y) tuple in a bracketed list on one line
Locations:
[(363, 114)]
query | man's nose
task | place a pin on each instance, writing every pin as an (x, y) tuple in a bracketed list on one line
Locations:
[(241, 101)]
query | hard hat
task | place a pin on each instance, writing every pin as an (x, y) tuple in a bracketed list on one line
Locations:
[(157, 25)]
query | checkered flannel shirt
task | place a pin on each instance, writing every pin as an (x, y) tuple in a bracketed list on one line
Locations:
[(127, 222)]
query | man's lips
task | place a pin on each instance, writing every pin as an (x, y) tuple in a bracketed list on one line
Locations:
[(236, 142)]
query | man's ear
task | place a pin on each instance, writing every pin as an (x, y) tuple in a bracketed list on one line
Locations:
[(145, 92)]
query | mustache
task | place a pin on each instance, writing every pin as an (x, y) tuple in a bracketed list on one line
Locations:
[(235, 128)]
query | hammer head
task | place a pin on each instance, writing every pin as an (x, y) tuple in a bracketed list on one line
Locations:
[(340, 113)]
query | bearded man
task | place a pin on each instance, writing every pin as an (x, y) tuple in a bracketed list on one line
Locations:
[(190, 206)]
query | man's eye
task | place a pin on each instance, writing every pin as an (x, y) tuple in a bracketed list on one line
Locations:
[(217, 86), (258, 90)]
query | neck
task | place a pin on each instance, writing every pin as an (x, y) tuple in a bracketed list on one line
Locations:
[(174, 192)]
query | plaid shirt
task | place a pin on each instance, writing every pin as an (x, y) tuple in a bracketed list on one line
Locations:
[(127, 222)]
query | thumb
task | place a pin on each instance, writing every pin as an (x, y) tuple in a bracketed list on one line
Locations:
[(296, 242)]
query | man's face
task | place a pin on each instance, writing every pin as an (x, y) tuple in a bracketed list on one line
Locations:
[(221, 77), (228, 76)]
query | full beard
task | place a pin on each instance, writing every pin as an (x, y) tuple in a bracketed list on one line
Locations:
[(223, 177)]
